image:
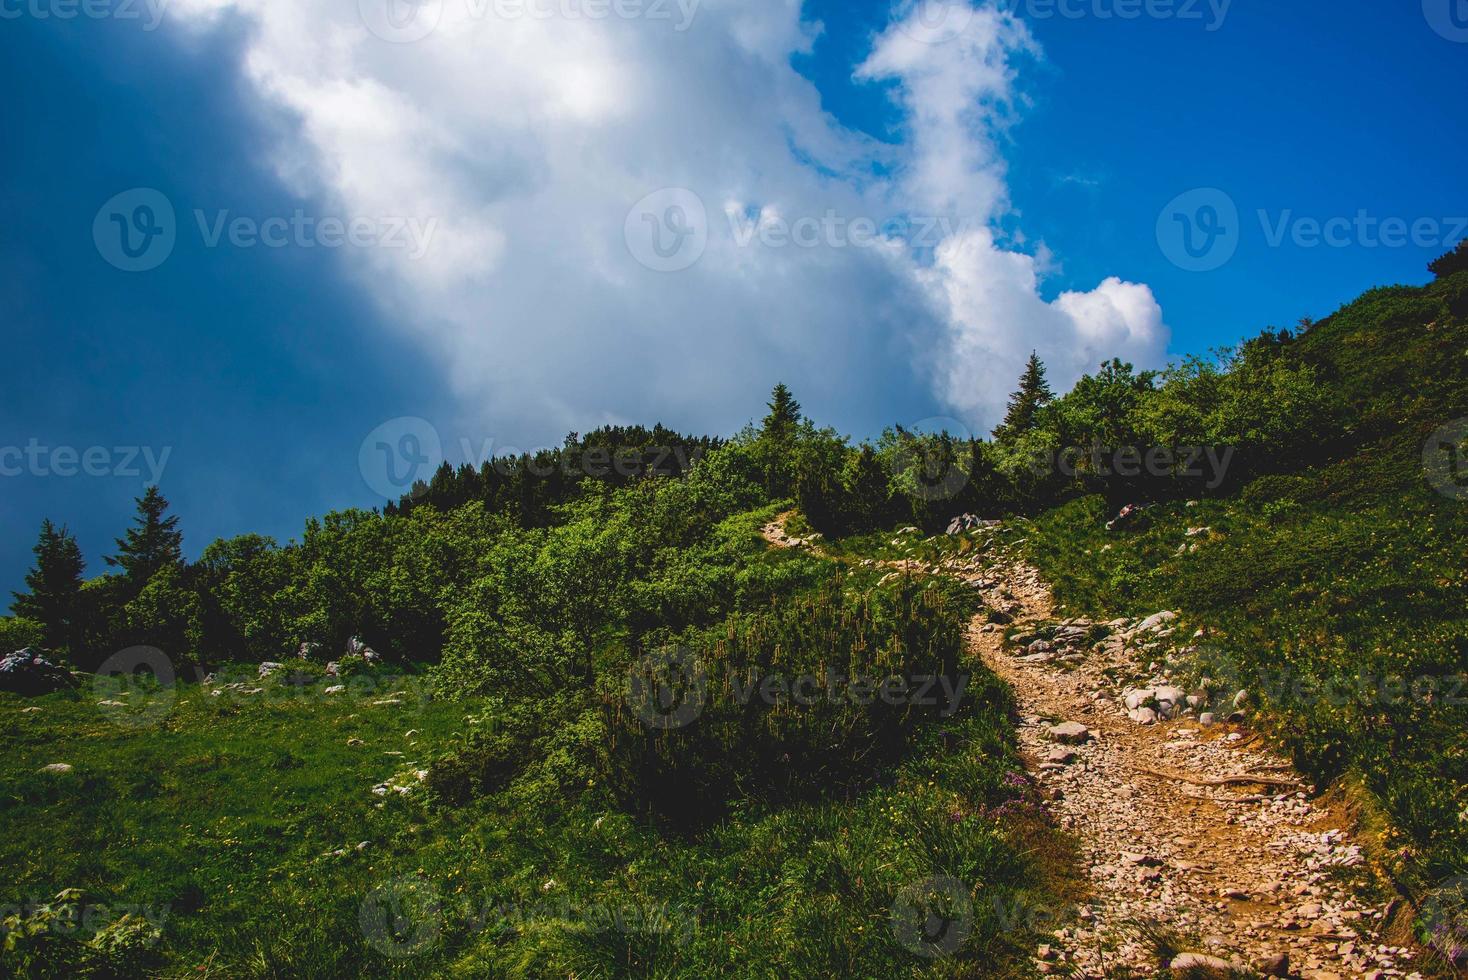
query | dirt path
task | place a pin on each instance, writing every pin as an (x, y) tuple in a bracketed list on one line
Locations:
[(1244, 873)]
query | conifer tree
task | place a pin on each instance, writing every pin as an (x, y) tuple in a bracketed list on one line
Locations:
[(1025, 404), (152, 544), (55, 587), (784, 417), (777, 439)]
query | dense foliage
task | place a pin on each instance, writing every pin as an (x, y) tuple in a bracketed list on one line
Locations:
[(1336, 584), (523, 604)]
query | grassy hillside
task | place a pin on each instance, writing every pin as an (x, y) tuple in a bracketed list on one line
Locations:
[(494, 797), (1339, 589), (291, 832)]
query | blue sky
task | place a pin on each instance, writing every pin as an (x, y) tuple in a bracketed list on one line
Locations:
[(260, 371)]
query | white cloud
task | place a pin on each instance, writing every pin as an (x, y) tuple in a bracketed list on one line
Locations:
[(528, 140)]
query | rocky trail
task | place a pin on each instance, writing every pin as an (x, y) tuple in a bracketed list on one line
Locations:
[(1205, 852)]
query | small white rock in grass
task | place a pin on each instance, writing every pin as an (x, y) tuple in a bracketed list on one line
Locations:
[(57, 767), (335, 689)]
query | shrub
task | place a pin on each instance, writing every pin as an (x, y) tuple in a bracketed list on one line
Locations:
[(691, 728)]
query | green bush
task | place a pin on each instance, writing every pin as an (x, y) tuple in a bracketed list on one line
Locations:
[(17, 633), (726, 737)]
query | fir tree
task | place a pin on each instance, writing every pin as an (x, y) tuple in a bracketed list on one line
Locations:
[(777, 440), (1452, 262), (153, 544), (1025, 404), (55, 588), (784, 418)]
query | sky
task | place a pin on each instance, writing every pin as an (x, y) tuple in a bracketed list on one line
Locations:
[(278, 257)]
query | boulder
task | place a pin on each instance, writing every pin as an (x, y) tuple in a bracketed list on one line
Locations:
[(968, 523), (356, 648), (1166, 701), (269, 667), (1275, 965), (30, 672), (307, 650), (1202, 962), (1069, 733), (56, 767), (1156, 621)]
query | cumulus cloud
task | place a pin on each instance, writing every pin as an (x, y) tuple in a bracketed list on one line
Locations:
[(853, 268)]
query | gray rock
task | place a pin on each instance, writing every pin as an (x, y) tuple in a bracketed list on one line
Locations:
[(1069, 733), (1170, 695), (356, 648), (29, 672), (1143, 716), (1275, 965), (1201, 961), (56, 767), (1206, 718), (269, 667), (1156, 621)]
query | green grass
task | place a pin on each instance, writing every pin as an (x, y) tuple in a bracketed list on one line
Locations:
[(1312, 583), (1335, 585), (221, 822)]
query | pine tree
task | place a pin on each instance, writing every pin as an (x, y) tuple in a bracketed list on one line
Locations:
[(777, 442), (55, 588), (153, 544), (1025, 404), (1451, 262), (784, 417)]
